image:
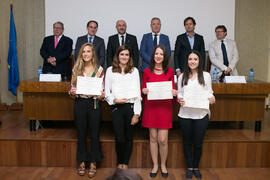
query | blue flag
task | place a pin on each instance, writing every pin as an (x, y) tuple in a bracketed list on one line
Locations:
[(13, 70)]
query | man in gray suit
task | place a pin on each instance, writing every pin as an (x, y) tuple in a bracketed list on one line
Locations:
[(98, 42), (223, 53)]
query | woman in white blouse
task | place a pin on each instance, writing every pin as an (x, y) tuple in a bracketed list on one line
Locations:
[(87, 111), (194, 121), (122, 92)]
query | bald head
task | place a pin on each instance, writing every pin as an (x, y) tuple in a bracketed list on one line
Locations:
[(121, 26)]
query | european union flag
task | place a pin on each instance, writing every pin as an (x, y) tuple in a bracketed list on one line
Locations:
[(13, 71)]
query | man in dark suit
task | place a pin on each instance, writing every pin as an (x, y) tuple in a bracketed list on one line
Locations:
[(185, 43), (150, 40), (98, 42), (122, 38), (55, 51)]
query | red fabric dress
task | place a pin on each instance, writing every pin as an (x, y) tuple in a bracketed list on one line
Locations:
[(157, 113)]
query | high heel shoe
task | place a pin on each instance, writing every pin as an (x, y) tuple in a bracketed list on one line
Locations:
[(164, 175), (153, 175)]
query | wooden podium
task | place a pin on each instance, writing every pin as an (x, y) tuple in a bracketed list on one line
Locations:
[(234, 102)]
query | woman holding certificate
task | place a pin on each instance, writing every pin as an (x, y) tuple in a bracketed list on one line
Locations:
[(122, 92), (87, 111), (158, 79), (195, 94)]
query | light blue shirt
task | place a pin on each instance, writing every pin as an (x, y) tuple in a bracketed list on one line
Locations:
[(88, 37), (191, 40)]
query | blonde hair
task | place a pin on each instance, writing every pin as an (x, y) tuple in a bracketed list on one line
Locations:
[(80, 64)]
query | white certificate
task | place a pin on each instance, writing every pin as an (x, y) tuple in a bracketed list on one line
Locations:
[(125, 89), (196, 98), (89, 85), (159, 90)]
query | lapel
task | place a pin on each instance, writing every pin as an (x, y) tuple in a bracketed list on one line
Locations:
[(116, 39), (95, 41), (187, 42), (127, 40), (59, 42), (195, 42), (151, 41)]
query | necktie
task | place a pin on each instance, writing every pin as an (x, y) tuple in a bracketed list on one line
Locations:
[(155, 40), (90, 39), (224, 53), (55, 41), (122, 40)]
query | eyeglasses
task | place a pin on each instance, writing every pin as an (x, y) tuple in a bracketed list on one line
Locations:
[(57, 28), (92, 27)]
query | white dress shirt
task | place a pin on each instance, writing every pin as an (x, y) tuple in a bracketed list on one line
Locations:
[(112, 77), (194, 113), (120, 38), (158, 37)]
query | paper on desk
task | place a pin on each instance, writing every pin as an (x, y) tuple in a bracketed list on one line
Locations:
[(89, 85), (125, 89), (196, 98), (159, 90)]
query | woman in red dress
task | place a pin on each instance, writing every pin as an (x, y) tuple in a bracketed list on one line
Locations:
[(158, 114)]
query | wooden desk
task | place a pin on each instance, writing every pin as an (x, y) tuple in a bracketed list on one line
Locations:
[(234, 102)]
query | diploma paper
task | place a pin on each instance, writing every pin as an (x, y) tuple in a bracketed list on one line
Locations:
[(159, 90), (89, 85), (125, 89), (196, 99)]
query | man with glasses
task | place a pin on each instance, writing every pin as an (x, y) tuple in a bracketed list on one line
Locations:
[(223, 53), (98, 42), (55, 51)]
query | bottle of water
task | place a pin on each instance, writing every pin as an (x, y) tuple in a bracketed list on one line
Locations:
[(214, 75), (39, 71), (251, 75)]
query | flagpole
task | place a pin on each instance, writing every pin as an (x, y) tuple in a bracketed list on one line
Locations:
[(15, 106)]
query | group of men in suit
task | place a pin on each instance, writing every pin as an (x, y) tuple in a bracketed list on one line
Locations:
[(57, 48)]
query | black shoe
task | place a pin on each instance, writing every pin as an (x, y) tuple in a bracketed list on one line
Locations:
[(189, 174), (152, 175), (197, 174), (164, 175)]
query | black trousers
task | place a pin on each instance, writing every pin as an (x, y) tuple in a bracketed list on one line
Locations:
[(193, 133), (123, 131), (86, 116)]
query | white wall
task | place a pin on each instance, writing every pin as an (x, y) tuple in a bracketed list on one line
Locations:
[(138, 13)]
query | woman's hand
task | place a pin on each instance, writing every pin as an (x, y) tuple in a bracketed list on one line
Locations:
[(212, 100), (101, 96), (120, 101), (182, 102), (145, 91), (135, 119), (73, 91), (174, 92)]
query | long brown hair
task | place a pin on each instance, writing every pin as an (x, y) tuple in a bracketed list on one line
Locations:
[(187, 70), (165, 59), (116, 63), (80, 64)]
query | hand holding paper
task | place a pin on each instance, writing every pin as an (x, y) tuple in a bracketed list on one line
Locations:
[(89, 85), (159, 90)]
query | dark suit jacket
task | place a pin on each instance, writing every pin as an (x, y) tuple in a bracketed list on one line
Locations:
[(61, 53), (98, 44), (182, 48), (147, 48), (130, 42)]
